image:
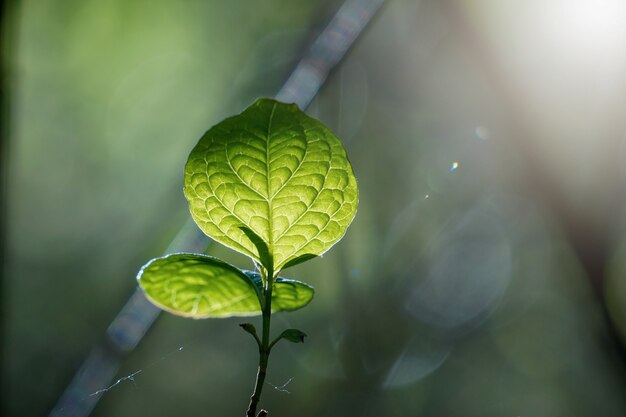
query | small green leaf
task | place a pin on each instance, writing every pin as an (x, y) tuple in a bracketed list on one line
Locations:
[(277, 173), (200, 286), (293, 335), (287, 294), (249, 328)]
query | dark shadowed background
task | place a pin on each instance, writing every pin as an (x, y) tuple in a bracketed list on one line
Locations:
[(484, 275)]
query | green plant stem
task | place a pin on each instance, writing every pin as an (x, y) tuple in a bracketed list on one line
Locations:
[(264, 347)]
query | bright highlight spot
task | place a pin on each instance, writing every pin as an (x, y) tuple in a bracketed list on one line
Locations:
[(454, 166), (593, 30)]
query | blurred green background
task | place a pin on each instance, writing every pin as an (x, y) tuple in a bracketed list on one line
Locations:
[(484, 275)]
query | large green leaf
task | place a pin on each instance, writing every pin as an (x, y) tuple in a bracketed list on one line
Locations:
[(200, 286), (275, 174)]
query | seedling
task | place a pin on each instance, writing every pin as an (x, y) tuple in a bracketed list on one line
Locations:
[(275, 185)]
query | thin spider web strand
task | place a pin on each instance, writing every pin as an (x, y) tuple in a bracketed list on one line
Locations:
[(130, 377), (281, 388)]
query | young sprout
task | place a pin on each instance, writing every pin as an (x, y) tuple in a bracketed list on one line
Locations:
[(275, 185)]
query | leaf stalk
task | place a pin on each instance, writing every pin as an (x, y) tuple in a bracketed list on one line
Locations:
[(264, 346)]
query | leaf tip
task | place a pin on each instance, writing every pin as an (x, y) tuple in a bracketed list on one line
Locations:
[(248, 327)]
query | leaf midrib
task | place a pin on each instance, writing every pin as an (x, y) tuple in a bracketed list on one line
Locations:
[(270, 198)]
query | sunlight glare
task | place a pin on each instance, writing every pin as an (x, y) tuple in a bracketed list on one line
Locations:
[(592, 28)]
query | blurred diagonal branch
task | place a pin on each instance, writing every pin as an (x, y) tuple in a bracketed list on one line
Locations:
[(137, 316)]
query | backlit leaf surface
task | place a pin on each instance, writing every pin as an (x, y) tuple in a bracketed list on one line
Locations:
[(200, 286), (287, 294), (278, 173)]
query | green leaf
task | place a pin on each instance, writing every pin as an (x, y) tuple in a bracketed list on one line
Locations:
[(292, 335), (287, 294), (249, 328), (200, 286), (274, 173)]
